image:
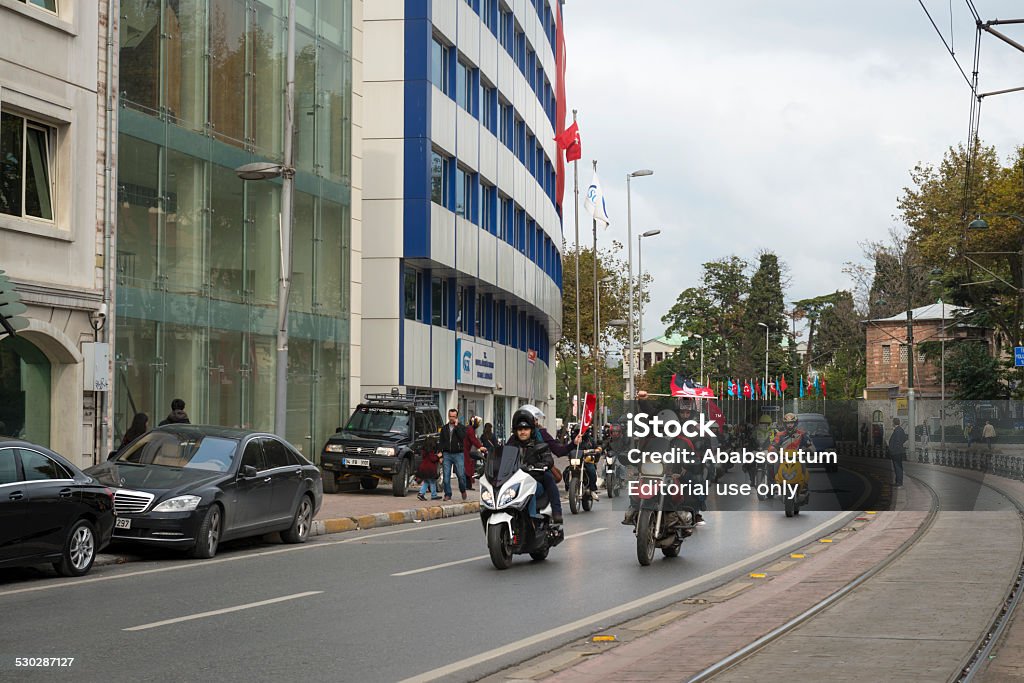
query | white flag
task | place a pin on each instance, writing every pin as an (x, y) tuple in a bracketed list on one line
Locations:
[(595, 202)]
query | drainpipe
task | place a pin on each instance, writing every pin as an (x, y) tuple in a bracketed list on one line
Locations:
[(113, 10)]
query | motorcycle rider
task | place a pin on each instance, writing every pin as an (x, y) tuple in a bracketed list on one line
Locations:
[(790, 438), (559, 449), (527, 435)]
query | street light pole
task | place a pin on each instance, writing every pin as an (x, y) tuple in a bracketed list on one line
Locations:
[(597, 342), (629, 246), (640, 279), (701, 337), (765, 385)]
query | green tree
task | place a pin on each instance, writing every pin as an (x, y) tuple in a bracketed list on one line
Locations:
[(973, 373), (766, 304)]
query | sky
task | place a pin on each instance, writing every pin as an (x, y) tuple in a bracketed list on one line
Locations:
[(789, 125)]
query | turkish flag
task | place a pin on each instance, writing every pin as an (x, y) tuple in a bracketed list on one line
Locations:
[(782, 385), (746, 389), (823, 394), (771, 387), (569, 141), (589, 406)]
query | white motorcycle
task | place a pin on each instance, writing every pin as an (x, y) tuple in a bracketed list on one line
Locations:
[(506, 489)]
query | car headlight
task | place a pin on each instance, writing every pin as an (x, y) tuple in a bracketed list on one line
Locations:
[(384, 450), (334, 448), (486, 496), (179, 504), (509, 495)]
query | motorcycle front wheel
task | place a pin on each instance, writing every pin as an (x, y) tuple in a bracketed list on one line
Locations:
[(499, 543), (574, 494), (645, 537), (761, 479), (609, 484), (791, 507)]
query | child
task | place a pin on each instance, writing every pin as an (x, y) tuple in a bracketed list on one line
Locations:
[(428, 473)]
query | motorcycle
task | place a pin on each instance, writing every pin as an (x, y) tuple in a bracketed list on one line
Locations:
[(794, 472), (655, 526), (612, 475), (578, 481), (506, 489)]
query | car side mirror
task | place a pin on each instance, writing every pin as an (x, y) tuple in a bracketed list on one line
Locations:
[(249, 472)]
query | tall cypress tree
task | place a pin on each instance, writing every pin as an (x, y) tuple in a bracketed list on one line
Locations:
[(766, 304)]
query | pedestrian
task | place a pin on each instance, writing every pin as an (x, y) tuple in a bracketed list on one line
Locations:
[(177, 414), (139, 426), (453, 438), (488, 438), (471, 450), (989, 434), (863, 433), (897, 449), (427, 473)]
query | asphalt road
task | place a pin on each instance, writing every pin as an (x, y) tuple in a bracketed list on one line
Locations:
[(383, 605)]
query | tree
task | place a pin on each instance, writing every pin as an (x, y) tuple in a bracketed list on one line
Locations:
[(766, 304), (973, 373), (841, 347)]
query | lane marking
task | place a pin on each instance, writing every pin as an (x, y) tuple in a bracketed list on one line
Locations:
[(219, 560), (483, 557), (613, 612), (226, 610)]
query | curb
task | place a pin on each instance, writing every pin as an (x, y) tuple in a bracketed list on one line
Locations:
[(336, 525)]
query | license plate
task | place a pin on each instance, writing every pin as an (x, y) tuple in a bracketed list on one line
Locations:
[(123, 523), (357, 462), (575, 462)]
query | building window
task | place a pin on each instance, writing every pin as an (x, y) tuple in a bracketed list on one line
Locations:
[(506, 124), (464, 86), (920, 356), (506, 29), (439, 302), (465, 193), (440, 60), (479, 314), (439, 178), (26, 167), (50, 5), (413, 301), (489, 12), (504, 217), (490, 104), (903, 353), (886, 354), (487, 214)]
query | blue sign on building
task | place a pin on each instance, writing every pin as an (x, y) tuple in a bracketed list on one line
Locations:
[(1018, 356)]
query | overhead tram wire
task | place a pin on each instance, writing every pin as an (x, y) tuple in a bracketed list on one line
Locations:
[(949, 49), (973, 127)]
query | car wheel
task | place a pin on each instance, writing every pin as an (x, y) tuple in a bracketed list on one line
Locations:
[(79, 550), (330, 482), (208, 537), (400, 480), (298, 532)]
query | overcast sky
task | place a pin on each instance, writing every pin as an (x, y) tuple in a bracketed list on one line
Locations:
[(782, 124)]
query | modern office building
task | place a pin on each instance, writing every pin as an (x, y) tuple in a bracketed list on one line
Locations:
[(55, 172), (198, 257), (462, 238)]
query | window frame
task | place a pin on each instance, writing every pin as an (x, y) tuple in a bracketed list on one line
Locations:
[(51, 133)]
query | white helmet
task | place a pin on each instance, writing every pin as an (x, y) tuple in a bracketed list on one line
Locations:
[(537, 413)]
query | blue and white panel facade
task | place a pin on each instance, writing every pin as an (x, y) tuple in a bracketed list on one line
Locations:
[(462, 239)]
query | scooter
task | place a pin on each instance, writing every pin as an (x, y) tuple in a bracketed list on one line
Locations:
[(794, 472), (655, 526), (506, 489)]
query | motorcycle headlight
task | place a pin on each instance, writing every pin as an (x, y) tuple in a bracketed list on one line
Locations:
[(334, 448), (486, 496), (384, 450), (575, 462), (179, 504), (510, 494)]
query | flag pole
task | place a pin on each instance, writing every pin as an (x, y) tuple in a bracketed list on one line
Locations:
[(576, 204), (597, 313)]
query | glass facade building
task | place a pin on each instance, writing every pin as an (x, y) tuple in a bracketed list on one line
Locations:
[(202, 92)]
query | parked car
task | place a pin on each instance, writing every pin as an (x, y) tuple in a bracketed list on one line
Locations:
[(385, 438), (191, 487), (50, 511), (816, 426)]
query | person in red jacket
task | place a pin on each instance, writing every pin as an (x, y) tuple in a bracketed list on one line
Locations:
[(427, 473)]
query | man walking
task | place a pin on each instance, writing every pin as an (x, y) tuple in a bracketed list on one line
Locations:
[(897, 449), (453, 438), (989, 434)]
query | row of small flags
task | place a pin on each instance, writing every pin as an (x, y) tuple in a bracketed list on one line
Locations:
[(752, 389)]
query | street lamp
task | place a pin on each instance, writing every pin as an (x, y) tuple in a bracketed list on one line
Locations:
[(286, 171), (765, 385), (701, 355), (640, 279), (629, 244)]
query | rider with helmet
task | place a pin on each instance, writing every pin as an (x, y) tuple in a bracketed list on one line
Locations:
[(540, 453), (792, 439)]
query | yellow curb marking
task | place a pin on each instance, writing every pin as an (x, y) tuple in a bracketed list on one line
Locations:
[(758, 576), (824, 540), (797, 556), (870, 512), (604, 639)]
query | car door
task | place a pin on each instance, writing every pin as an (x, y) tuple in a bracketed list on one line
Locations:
[(54, 501), (253, 495), (14, 506), (287, 478)]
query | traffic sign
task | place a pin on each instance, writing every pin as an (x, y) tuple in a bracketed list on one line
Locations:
[(1018, 356)]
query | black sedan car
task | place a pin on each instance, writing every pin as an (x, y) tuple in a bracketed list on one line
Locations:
[(191, 487), (50, 511)]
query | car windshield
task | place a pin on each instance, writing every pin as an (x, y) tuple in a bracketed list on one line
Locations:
[(815, 427), (166, 449), (379, 421)]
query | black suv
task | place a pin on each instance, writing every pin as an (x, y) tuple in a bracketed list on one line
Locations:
[(385, 438)]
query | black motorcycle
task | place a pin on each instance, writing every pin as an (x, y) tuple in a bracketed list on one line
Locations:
[(578, 480), (661, 521)]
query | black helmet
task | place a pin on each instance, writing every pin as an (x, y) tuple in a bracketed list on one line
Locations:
[(522, 418)]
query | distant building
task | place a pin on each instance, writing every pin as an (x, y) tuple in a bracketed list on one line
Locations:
[(656, 350)]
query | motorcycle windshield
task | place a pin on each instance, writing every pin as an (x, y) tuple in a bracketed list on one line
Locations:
[(507, 463)]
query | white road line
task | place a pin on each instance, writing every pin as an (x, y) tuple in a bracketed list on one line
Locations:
[(208, 563), (226, 610), (483, 557), (603, 616)]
